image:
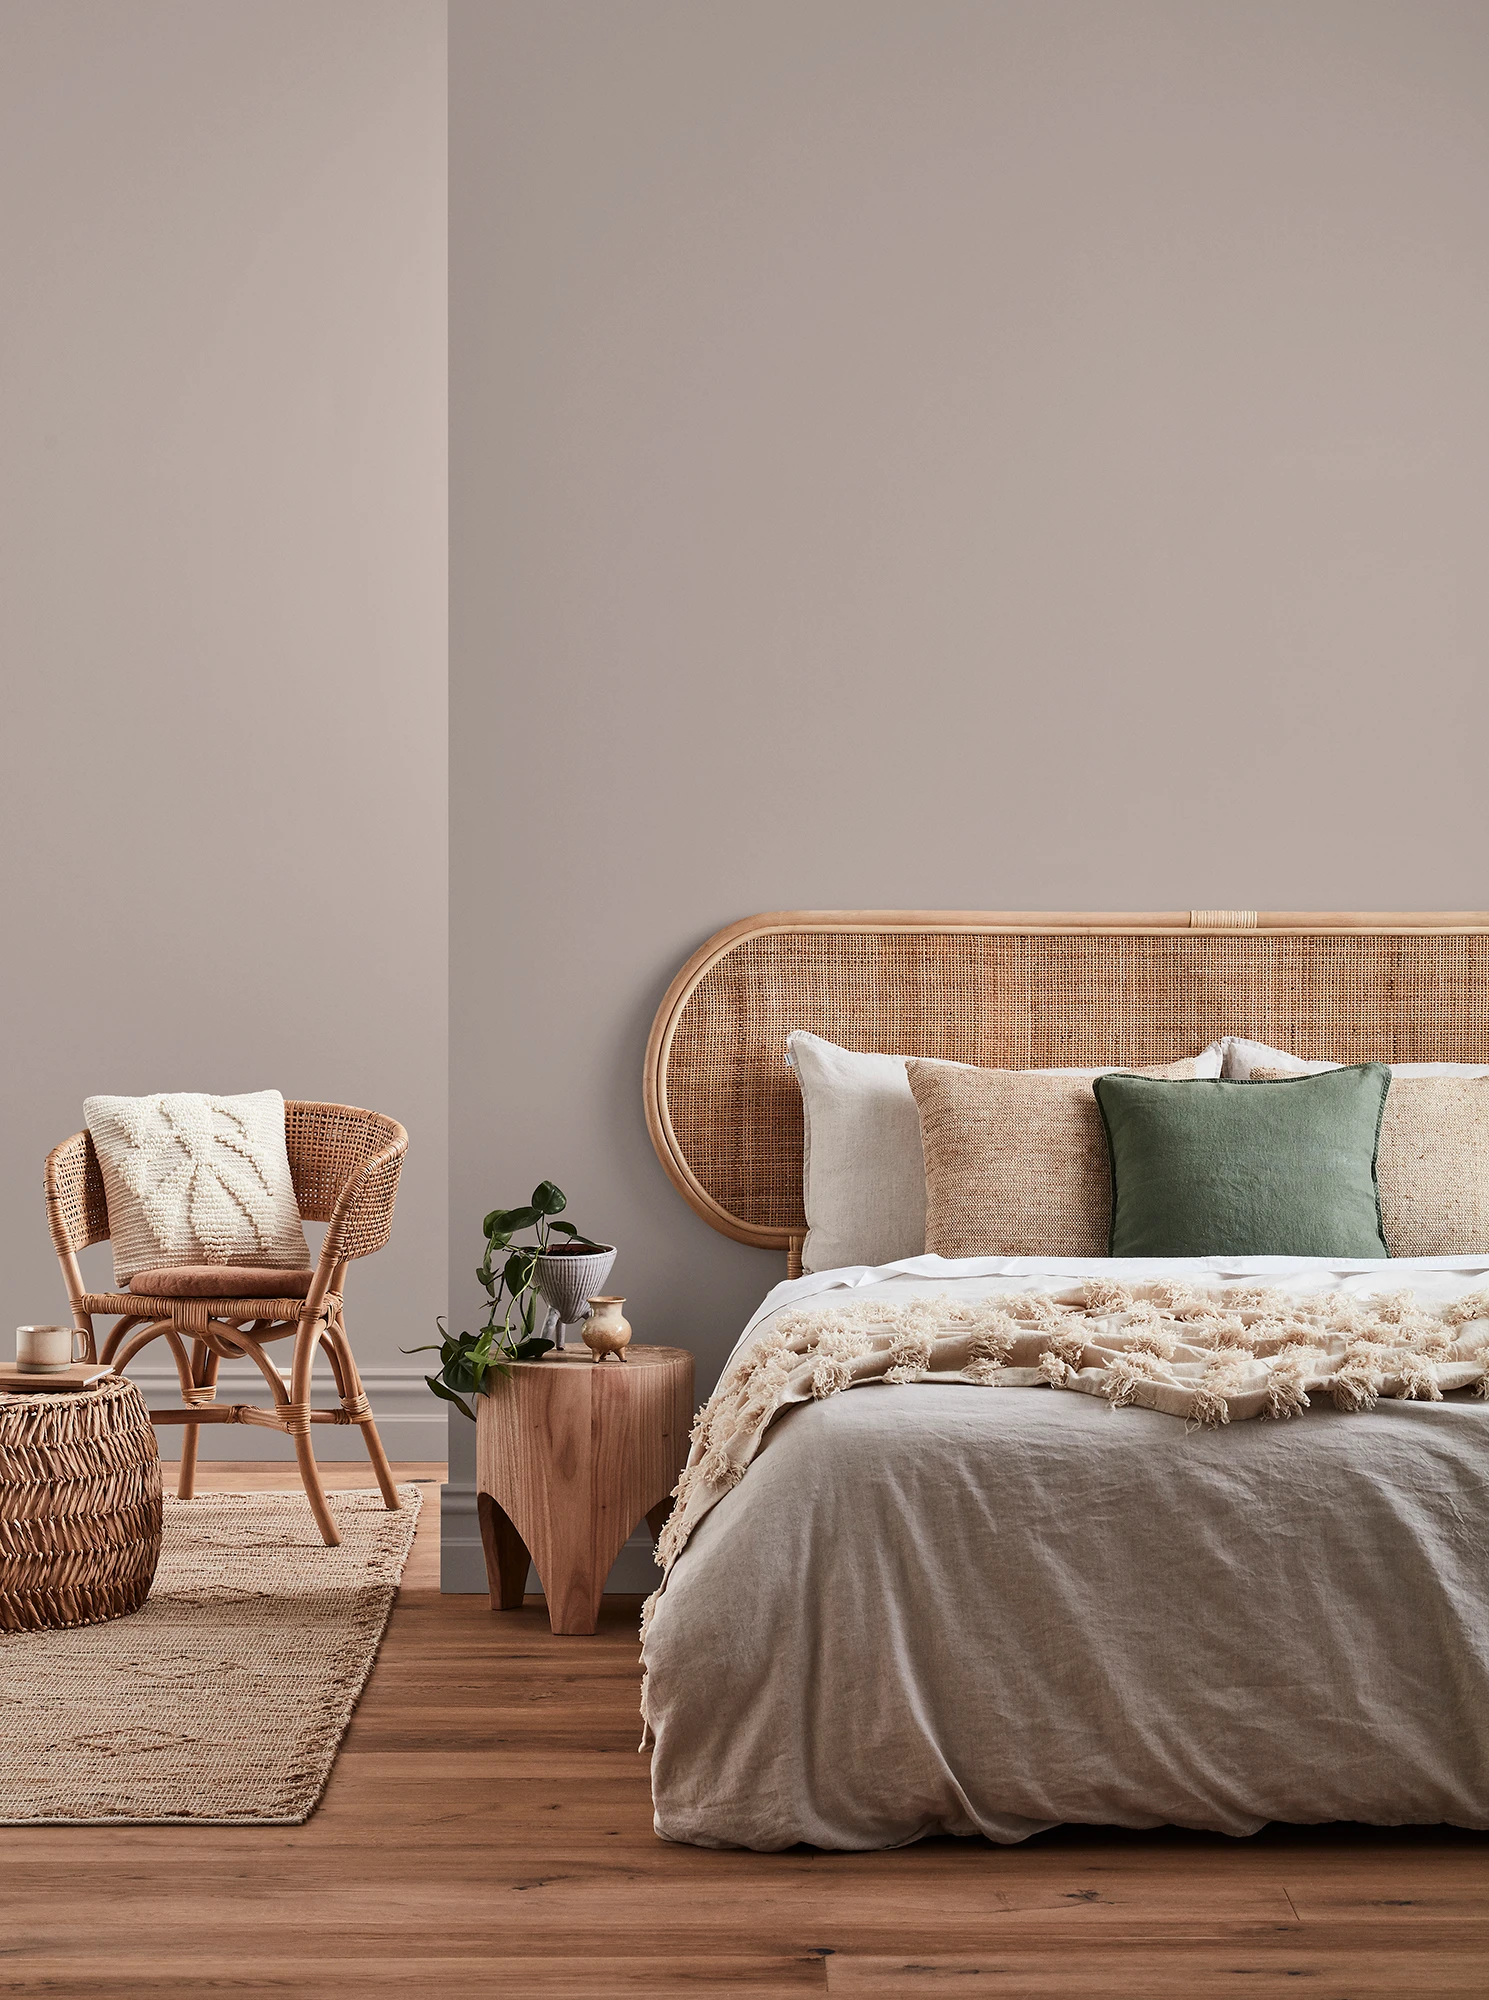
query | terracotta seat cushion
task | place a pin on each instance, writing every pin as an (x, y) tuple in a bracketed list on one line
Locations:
[(220, 1281)]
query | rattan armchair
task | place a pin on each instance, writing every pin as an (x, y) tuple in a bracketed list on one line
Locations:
[(345, 1165)]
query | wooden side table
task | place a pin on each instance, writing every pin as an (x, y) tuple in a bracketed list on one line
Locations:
[(570, 1454)]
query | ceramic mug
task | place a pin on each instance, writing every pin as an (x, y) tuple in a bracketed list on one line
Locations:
[(41, 1350)]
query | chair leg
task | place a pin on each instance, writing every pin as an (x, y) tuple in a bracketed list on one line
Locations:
[(203, 1373), (380, 1464), (186, 1477), (315, 1493), (351, 1391), (306, 1341)]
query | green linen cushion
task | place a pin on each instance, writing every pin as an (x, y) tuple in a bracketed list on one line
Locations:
[(1245, 1169)]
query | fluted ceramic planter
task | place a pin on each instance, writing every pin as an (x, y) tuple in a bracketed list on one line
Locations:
[(568, 1278)]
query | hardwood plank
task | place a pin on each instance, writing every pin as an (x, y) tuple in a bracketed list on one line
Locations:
[(479, 1977), (1403, 1892), (488, 1828), (1166, 1971), (552, 1906)]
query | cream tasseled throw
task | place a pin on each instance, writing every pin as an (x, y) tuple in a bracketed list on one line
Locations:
[(1206, 1357)]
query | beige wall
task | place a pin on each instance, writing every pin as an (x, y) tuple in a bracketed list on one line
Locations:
[(1024, 455), (222, 590)]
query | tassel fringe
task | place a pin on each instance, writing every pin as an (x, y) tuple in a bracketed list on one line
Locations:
[(1168, 1346)]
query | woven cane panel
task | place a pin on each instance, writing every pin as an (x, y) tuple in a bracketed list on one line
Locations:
[(329, 1146), (1032, 1000), (77, 1209)]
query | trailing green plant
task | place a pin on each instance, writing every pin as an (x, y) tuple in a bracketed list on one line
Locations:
[(507, 1274)]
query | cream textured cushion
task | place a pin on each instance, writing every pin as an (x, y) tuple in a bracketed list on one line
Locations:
[(1016, 1161), (193, 1179), (1432, 1162), (1241, 1059)]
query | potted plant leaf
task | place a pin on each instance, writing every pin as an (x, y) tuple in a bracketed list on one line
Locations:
[(513, 1277)]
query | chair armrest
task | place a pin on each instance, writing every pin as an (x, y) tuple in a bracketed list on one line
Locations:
[(362, 1220)]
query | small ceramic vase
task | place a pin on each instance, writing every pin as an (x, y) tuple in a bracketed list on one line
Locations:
[(607, 1330), (566, 1278)]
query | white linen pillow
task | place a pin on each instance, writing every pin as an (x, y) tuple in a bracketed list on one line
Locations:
[(1240, 1057), (863, 1167), (195, 1179)]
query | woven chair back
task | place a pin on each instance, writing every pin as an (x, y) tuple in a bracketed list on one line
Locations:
[(328, 1147)]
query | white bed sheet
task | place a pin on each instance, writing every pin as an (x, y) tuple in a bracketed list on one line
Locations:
[(937, 1608)]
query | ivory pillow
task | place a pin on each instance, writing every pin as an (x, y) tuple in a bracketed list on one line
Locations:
[(863, 1170), (1242, 1059), (193, 1179), (1432, 1161), (862, 1175), (1016, 1161)]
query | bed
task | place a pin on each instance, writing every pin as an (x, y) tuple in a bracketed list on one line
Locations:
[(928, 1608)]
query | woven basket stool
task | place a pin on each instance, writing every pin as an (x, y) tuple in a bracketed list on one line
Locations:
[(79, 1506)]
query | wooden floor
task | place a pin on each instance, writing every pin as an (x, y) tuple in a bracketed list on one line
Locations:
[(487, 1831)]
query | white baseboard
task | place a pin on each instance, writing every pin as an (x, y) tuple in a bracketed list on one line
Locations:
[(410, 1421), (462, 1567)]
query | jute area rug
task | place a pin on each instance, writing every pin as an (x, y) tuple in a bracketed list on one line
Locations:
[(223, 1701)]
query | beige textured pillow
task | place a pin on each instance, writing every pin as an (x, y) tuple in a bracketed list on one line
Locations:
[(1015, 1160), (1432, 1164)]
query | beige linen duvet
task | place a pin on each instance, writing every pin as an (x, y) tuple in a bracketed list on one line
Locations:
[(934, 1606)]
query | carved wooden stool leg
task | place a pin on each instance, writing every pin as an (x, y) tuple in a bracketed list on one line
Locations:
[(506, 1555)]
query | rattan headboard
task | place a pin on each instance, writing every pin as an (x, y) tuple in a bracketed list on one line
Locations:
[(1024, 991)]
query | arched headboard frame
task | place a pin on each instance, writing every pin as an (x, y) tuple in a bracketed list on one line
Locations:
[(1021, 991)]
